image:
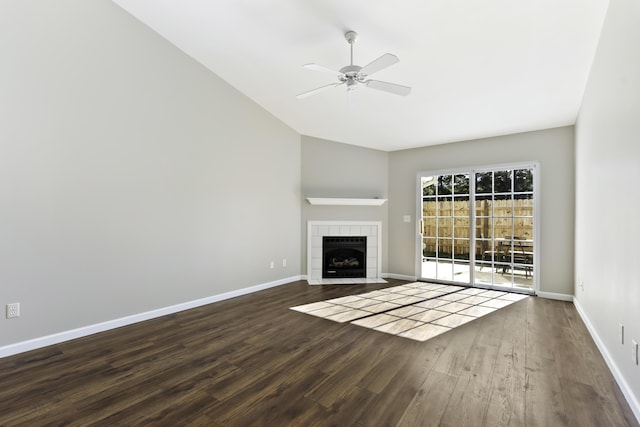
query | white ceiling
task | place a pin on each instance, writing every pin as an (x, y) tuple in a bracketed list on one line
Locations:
[(477, 68)]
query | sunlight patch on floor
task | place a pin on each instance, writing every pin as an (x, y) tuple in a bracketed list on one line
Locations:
[(418, 310)]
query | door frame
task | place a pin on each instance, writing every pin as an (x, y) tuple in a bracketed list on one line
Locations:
[(471, 170)]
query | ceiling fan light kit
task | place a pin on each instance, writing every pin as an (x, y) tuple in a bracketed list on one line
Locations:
[(354, 75)]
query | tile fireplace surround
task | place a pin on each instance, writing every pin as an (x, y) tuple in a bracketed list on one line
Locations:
[(316, 230)]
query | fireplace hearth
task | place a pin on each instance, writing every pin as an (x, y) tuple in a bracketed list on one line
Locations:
[(344, 256)]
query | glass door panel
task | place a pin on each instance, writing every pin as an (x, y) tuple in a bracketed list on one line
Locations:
[(445, 228), (504, 212)]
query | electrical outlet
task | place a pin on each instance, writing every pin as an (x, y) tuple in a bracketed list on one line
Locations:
[(13, 310), (634, 352), (272, 264), (284, 262), (621, 333)]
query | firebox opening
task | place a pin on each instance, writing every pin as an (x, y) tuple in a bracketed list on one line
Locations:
[(344, 256)]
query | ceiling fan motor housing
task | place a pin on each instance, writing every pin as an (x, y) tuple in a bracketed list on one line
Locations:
[(351, 73)]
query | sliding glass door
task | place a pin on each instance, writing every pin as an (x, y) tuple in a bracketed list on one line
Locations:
[(499, 251)]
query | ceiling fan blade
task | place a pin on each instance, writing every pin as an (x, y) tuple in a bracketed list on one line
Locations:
[(388, 87), (321, 68), (317, 90), (382, 62)]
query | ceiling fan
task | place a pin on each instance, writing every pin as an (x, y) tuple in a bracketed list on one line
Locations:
[(355, 75)]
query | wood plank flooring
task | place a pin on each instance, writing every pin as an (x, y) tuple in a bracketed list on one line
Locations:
[(250, 361)]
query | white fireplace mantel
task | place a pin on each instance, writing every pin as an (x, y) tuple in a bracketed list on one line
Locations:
[(316, 230), (336, 201)]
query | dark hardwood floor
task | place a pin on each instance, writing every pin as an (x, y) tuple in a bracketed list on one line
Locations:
[(250, 361)]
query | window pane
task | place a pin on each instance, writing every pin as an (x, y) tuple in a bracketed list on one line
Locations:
[(461, 184), (444, 206), (461, 227), (523, 251), (461, 249), (523, 207), (461, 206), (429, 268), (505, 256), (445, 227), (444, 248), (461, 272), (484, 273), (484, 250), (484, 228), (445, 185), (445, 270), (522, 257), (484, 206), (502, 182), (484, 182), (518, 258), (523, 180), (524, 281), (429, 206), (429, 247), (429, 227), (502, 227), (523, 228), (504, 207), (428, 186), (502, 275)]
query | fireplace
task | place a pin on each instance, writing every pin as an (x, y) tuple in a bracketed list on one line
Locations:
[(344, 256), (317, 230)]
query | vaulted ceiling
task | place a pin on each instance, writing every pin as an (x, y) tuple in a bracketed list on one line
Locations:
[(476, 68)]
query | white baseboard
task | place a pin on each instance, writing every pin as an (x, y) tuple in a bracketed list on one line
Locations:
[(633, 401), (399, 276), (384, 276), (346, 281), (553, 295), (84, 331)]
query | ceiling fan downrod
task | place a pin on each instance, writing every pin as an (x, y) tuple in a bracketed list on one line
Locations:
[(351, 39)]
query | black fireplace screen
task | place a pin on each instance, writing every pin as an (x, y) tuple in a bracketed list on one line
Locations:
[(344, 256)]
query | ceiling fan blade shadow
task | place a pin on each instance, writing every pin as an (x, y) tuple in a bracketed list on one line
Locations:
[(378, 64), (317, 90), (322, 69), (388, 87)]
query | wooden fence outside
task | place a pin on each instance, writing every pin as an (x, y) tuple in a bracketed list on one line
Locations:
[(510, 218)]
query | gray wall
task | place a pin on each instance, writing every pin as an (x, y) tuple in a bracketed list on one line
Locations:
[(131, 178), (553, 148), (607, 201), (332, 169)]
